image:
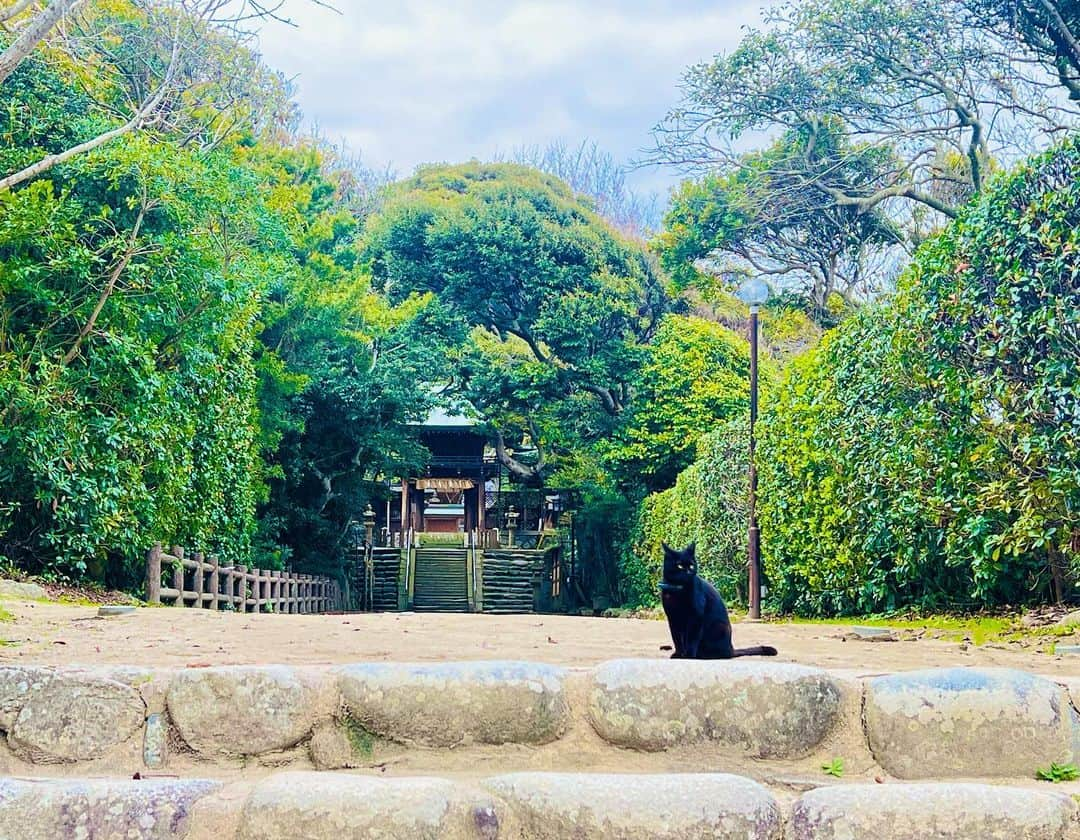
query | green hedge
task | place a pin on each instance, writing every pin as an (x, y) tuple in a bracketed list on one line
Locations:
[(708, 504), (928, 451)]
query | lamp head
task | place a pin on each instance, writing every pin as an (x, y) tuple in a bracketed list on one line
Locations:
[(754, 292)]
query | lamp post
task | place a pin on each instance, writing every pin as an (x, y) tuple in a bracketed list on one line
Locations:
[(369, 559), (754, 293)]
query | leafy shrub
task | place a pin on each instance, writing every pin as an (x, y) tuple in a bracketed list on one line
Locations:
[(708, 504), (928, 451)]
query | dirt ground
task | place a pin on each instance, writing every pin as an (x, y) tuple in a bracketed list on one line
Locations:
[(50, 633)]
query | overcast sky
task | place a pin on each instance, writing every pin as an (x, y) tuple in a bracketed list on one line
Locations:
[(415, 81)]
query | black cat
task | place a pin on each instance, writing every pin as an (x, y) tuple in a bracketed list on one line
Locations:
[(700, 627)]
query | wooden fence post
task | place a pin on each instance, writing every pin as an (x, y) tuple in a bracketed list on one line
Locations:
[(241, 575), (153, 575), (215, 582), (178, 574), (198, 580)]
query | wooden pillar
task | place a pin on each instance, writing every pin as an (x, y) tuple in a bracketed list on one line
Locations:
[(215, 582), (481, 501), (405, 524), (197, 582), (241, 576), (153, 575), (178, 574)]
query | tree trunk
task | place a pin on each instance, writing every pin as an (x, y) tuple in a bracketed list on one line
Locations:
[(40, 26)]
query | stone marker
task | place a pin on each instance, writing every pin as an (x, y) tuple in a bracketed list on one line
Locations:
[(767, 710), (113, 610), (76, 717), (967, 722), (241, 710), (139, 810), (336, 806), (443, 705), (938, 811), (690, 806)]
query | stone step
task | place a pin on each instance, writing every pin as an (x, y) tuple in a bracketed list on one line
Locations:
[(646, 714), (530, 806)]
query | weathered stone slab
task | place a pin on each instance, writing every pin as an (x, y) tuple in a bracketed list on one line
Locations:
[(334, 806), (143, 810), (110, 611), (155, 741), (690, 806), (922, 811), (25, 591), (241, 710), (967, 722), (76, 717), (16, 684), (770, 710), (444, 705)]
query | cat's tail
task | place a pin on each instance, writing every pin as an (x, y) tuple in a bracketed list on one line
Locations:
[(760, 650)]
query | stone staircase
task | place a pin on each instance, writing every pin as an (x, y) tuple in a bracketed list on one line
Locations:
[(441, 580), (624, 750)]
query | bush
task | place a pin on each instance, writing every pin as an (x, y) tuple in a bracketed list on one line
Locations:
[(928, 451), (708, 504)]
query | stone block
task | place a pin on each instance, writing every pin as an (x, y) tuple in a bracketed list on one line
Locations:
[(16, 684), (242, 710), (135, 810), (967, 722), (767, 710), (334, 806), (75, 716), (685, 806), (444, 705), (923, 811)]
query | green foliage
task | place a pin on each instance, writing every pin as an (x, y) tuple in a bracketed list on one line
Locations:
[(557, 302), (1057, 773), (834, 768), (928, 451), (707, 505), (695, 373)]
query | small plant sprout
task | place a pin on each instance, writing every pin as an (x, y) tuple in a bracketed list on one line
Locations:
[(834, 768), (1059, 773)]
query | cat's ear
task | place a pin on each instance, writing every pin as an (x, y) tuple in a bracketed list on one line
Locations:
[(692, 548), (667, 548)]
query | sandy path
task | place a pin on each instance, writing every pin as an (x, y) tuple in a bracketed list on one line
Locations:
[(50, 633)]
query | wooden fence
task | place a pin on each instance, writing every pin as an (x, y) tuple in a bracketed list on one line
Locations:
[(203, 583)]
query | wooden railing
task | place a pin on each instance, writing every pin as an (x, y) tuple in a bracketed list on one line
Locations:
[(203, 583)]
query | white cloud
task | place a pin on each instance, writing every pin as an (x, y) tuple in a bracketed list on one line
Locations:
[(415, 81)]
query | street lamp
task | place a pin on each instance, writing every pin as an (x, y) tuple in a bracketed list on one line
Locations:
[(754, 293)]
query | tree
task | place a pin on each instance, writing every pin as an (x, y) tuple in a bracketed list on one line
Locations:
[(695, 375), (144, 64), (516, 254), (1049, 29), (774, 215), (593, 172), (936, 98)]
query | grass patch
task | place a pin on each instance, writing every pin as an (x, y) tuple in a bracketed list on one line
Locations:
[(6, 615), (979, 629), (1058, 773), (834, 768), (361, 741)]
